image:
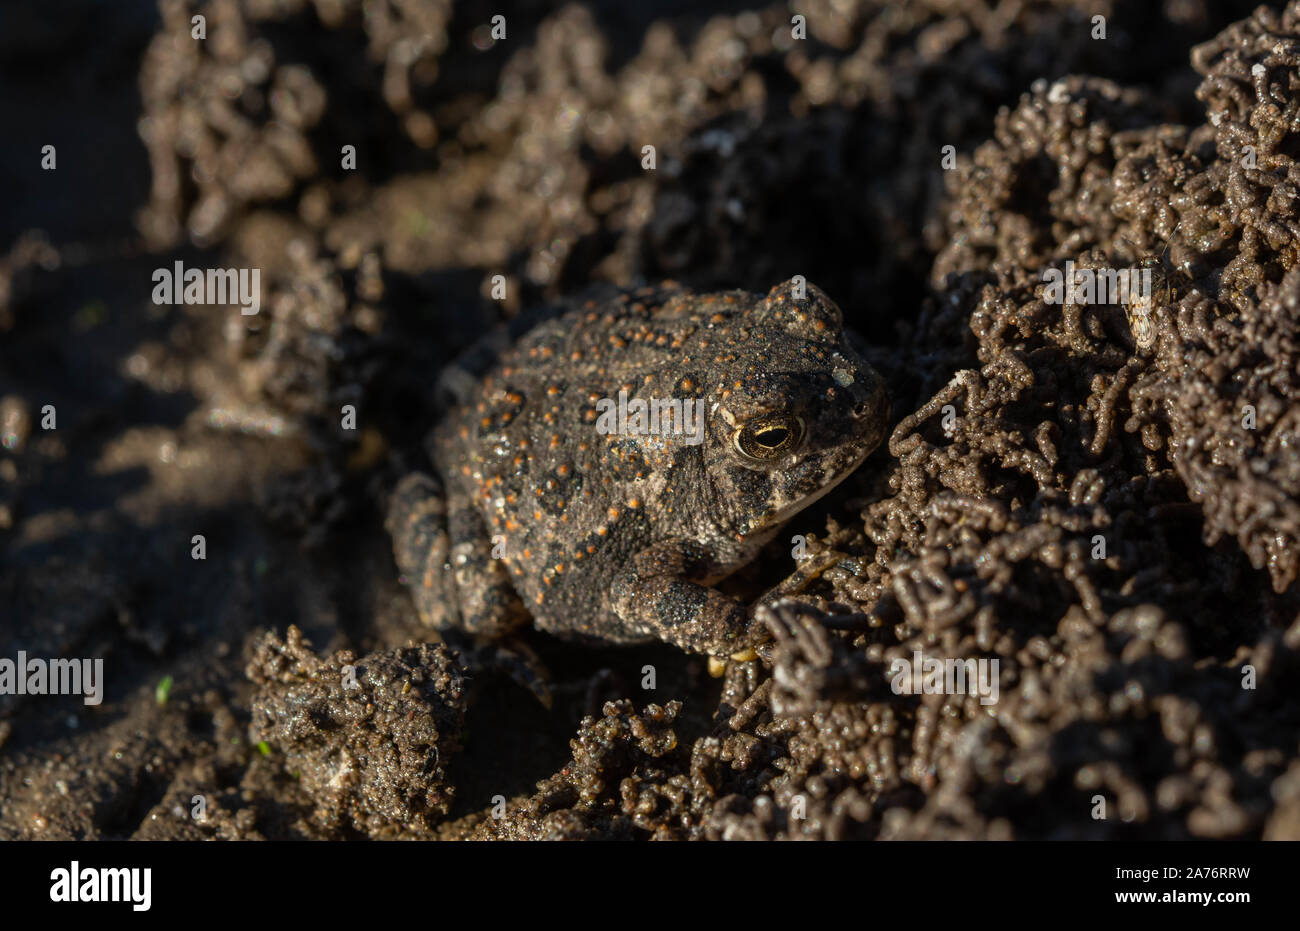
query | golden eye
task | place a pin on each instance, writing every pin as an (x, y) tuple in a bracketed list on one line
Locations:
[(765, 438)]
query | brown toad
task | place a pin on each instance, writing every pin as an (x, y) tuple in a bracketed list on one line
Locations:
[(559, 498)]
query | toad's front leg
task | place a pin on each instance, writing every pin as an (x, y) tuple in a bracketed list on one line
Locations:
[(660, 593)]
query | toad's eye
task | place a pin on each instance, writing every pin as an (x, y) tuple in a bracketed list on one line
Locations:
[(765, 438)]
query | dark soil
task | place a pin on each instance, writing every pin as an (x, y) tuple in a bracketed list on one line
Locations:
[(1151, 677)]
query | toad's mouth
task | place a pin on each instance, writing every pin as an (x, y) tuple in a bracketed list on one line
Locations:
[(761, 532), (829, 482), (762, 528)]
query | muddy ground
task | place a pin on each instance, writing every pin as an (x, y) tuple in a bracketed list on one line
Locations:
[(1145, 690)]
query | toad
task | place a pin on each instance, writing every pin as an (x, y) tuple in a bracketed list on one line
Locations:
[(602, 467)]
